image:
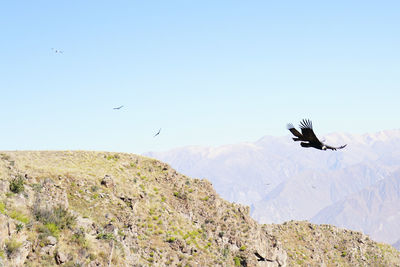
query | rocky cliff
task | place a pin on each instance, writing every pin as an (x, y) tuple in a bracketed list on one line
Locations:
[(112, 209)]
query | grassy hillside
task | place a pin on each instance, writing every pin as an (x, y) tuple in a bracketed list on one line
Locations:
[(307, 244), (112, 209)]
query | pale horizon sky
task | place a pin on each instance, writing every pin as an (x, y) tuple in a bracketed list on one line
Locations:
[(206, 72)]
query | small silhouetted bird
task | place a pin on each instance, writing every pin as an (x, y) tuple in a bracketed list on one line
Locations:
[(308, 136), (118, 107), (157, 133), (57, 51)]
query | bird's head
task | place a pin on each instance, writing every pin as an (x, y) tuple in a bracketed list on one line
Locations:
[(323, 147)]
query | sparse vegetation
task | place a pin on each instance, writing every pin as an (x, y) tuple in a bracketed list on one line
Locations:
[(171, 239), (17, 184), (236, 260), (94, 188), (4, 157), (114, 157), (12, 245), (17, 215), (53, 228), (105, 236), (19, 227), (79, 237), (2, 207), (180, 195), (205, 198), (57, 216)]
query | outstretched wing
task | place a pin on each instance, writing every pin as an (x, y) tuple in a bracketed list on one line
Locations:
[(307, 131), (334, 148), (293, 130)]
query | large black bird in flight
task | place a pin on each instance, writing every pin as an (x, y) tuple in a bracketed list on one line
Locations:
[(308, 136)]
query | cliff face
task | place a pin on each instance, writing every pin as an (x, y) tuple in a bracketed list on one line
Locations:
[(114, 209)]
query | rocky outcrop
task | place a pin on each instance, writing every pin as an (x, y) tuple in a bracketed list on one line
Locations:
[(107, 181), (308, 244)]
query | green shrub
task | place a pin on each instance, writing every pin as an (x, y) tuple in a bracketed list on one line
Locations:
[(2, 208), (12, 245), (80, 238), (53, 229), (237, 261), (180, 195), (225, 252), (59, 216), (17, 184), (37, 187), (205, 198), (94, 188), (114, 157), (240, 261), (170, 239), (105, 236), (92, 257), (16, 215), (19, 227)]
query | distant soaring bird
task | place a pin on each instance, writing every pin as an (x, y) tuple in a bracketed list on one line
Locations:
[(118, 107), (308, 136), (157, 133), (57, 51)]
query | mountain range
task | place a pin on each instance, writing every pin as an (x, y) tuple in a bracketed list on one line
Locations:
[(356, 188)]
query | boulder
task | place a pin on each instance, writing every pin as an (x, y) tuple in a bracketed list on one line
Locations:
[(107, 181), (60, 257)]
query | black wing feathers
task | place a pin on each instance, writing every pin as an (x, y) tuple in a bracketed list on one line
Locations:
[(291, 128), (307, 131)]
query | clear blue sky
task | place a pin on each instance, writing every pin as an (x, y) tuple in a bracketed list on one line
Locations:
[(206, 72)]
